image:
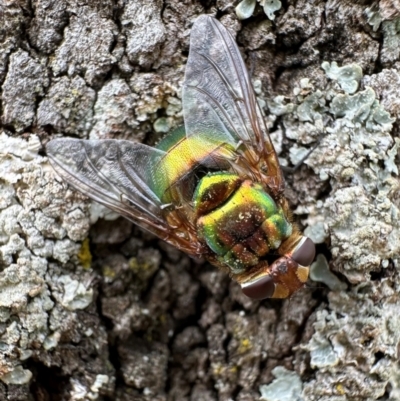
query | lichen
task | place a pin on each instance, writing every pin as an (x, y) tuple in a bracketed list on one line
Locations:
[(359, 218), (374, 18), (287, 386), (38, 221), (391, 41), (348, 76), (320, 272), (84, 255), (357, 154), (270, 7), (245, 8), (161, 125), (361, 325)]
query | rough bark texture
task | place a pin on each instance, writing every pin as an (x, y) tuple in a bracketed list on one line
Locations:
[(122, 316)]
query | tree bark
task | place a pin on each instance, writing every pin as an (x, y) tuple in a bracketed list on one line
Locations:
[(91, 307)]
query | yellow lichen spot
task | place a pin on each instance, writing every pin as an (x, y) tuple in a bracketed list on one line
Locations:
[(217, 369), (108, 272), (233, 369), (340, 389), (244, 346), (138, 267), (133, 264), (84, 255)]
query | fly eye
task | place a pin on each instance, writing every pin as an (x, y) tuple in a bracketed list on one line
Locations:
[(305, 252), (261, 288)]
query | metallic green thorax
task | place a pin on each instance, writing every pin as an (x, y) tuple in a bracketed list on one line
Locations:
[(184, 154), (235, 217)]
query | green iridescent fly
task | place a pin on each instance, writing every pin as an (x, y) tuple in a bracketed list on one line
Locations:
[(214, 188)]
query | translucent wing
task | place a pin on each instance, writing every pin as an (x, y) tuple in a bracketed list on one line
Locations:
[(219, 101), (120, 175)]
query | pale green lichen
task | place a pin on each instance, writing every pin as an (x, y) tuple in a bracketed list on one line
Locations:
[(161, 125), (361, 108), (374, 18), (390, 28), (316, 231), (286, 387), (320, 272), (18, 376), (321, 352), (270, 7), (245, 8), (348, 76)]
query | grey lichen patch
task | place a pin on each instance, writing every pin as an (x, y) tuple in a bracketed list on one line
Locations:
[(364, 228), (144, 31), (363, 327), (287, 386), (386, 84), (73, 295), (142, 367), (114, 111), (356, 336), (40, 219), (153, 94), (86, 49), (12, 18), (49, 19), (89, 391), (24, 82), (391, 42), (124, 109), (358, 150), (357, 155), (387, 18), (68, 106)]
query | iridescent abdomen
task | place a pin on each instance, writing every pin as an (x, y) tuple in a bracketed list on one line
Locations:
[(238, 220)]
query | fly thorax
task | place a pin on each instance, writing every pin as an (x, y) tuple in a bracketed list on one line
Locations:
[(238, 220)]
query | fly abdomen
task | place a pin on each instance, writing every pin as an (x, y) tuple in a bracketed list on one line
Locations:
[(244, 226)]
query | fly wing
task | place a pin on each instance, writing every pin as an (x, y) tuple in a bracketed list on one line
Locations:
[(120, 175), (219, 102)]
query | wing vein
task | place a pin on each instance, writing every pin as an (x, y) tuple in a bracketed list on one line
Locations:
[(234, 96)]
